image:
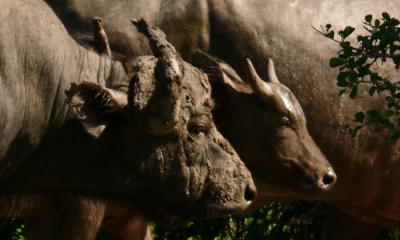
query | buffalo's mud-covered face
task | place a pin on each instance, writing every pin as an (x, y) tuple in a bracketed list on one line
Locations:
[(268, 129), (191, 169), (181, 163)]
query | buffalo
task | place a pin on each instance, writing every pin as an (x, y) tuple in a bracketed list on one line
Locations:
[(282, 30), (74, 122)]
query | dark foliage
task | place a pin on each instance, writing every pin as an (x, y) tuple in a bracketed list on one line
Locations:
[(358, 65), (11, 229), (276, 221)]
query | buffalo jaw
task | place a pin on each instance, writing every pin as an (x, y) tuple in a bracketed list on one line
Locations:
[(236, 190)]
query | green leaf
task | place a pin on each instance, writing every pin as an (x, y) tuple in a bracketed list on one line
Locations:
[(335, 62), (347, 50), (342, 79), (361, 61), (390, 101), (388, 85), (359, 117), (374, 116), (389, 113), (347, 31), (386, 16), (396, 60), (366, 43), (394, 22), (368, 18), (354, 131), (352, 77), (330, 34), (393, 49), (353, 92), (377, 23), (372, 91), (375, 77)]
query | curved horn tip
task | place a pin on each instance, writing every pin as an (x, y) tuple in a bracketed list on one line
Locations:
[(261, 88), (252, 69), (271, 71), (249, 63), (270, 62), (139, 23), (97, 19), (134, 20)]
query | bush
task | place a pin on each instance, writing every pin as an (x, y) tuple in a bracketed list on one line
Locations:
[(11, 229), (286, 221), (276, 221)]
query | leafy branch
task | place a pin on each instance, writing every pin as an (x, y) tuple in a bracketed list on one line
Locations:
[(358, 65)]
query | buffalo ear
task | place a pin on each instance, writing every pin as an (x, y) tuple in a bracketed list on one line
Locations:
[(220, 72), (92, 105)]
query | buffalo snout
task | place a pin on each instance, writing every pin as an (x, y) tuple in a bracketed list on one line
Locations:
[(327, 179), (314, 172), (324, 177), (229, 186)]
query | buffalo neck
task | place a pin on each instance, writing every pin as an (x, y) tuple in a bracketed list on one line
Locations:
[(60, 147), (41, 145)]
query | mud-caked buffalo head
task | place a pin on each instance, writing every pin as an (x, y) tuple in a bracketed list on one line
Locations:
[(175, 158), (266, 125)]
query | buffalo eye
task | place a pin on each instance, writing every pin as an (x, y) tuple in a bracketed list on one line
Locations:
[(285, 121), (199, 127)]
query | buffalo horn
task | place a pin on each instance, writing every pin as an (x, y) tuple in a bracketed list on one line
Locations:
[(163, 113), (260, 88), (271, 72)]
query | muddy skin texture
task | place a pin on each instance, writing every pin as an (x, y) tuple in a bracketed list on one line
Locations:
[(235, 30), (74, 123)]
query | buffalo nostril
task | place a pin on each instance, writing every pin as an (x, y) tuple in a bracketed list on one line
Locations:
[(250, 193), (329, 178)]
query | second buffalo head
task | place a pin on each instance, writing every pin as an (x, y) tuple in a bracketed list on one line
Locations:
[(162, 130), (265, 123)]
